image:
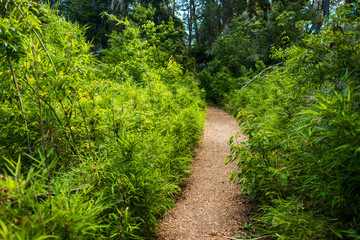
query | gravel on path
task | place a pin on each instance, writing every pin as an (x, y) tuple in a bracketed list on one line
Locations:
[(209, 207)]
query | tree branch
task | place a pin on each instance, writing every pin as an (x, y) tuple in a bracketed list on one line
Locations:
[(246, 84)]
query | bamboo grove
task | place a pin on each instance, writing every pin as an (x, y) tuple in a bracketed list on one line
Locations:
[(90, 148)]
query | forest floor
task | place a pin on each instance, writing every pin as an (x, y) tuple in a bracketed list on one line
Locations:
[(209, 207)]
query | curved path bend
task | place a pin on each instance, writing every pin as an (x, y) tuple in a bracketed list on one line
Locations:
[(209, 207)]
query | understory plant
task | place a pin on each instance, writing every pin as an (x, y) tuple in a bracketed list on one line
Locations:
[(91, 148), (301, 156)]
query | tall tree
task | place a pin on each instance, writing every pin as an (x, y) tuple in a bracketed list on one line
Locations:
[(192, 23)]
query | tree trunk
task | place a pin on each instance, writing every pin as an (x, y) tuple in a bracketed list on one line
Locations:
[(195, 22), (325, 7), (190, 19)]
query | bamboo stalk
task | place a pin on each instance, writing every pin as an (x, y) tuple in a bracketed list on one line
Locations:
[(86, 128), (37, 36), (20, 101), (48, 104), (47, 162), (68, 118)]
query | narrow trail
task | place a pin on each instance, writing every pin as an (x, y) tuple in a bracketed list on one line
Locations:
[(209, 207)]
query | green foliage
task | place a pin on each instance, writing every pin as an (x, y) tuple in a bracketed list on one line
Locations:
[(88, 13), (301, 157), (239, 42), (103, 145), (98, 29), (59, 214), (236, 56), (165, 40)]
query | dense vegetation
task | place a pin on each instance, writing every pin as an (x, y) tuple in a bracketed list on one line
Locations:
[(296, 96), (95, 138), (91, 148)]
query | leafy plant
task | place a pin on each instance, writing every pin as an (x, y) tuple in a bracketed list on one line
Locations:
[(103, 144), (301, 120)]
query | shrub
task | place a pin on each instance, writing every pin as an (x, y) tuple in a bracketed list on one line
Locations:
[(301, 120), (102, 145)]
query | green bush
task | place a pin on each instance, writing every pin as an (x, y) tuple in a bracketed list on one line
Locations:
[(102, 144), (301, 157)]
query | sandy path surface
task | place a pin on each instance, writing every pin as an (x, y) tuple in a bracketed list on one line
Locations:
[(209, 207)]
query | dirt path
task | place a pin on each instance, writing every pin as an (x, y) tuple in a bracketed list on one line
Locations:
[(209, 207)]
